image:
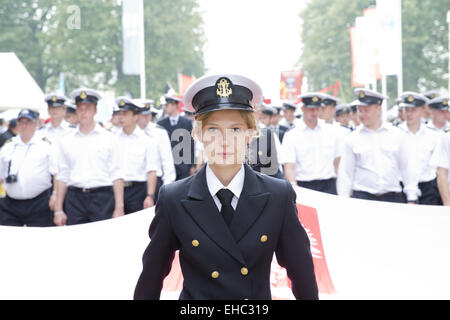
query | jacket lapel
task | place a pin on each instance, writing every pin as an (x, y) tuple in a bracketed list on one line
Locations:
[(201, 207), (250, 205)]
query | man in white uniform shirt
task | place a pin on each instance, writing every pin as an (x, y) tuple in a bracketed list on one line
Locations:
[(26, 168), (57, 126), (89, 179), (375, 156), (311, 150), (439, 114), (139, 159), (165, 169), (441, 159), (289, 120), (423, 141)]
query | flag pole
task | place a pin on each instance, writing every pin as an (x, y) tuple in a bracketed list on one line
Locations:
[(142, 48), (448, 21), (400, 73)]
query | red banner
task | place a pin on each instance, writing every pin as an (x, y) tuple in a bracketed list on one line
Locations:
[(184, 82), (291, 84), (310, 221)]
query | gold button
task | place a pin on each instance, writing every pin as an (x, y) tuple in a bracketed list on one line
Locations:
[(195, 243), (260, 153), (244, 271), (263, 238), (215, 274)]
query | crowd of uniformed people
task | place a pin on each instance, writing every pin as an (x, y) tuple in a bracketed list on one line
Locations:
[(74, 170)]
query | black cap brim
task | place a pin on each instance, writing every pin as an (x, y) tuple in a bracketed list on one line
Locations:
[(224, 107)]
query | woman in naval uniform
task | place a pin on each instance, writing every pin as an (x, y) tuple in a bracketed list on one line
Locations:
[(227, 221)]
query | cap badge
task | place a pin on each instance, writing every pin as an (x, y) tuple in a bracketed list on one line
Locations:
[(315, 99), (410, 98), (147, 105), (121, 103), (83, 95), (362, 94), (53, 98), (445, 102), (223, 89)]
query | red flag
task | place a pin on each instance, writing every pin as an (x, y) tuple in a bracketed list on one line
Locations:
[(334, 87)]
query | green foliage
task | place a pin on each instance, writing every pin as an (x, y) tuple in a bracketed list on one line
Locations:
[(326, 55), (46, 37)]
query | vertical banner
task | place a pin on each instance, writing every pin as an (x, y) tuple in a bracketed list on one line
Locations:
[(364, 44), (389, 14), (131, 37), (355, 52), (291, 84), (184, 82)]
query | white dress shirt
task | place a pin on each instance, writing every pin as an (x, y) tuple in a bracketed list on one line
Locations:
[(165, 167), (32, 162), (54, 134), (139, 154), (290, 125), (312, 150), (89, 160), (441, 155), (423, 143), (235, 186), (374, 161), (174, 120), (431, 126)]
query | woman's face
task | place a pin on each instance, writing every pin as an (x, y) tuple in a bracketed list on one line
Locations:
[(225, 136)]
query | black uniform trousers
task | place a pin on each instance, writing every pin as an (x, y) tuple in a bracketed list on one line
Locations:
[(430, 193), (33, 212), (327, 186), (398, 197), (134, 196), (94, 205)]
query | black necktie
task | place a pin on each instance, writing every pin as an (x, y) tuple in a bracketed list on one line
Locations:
[(225, 196)]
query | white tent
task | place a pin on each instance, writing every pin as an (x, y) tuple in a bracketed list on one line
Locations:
[(18, 89)]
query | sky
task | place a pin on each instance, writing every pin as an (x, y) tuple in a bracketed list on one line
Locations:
[(254, 38)]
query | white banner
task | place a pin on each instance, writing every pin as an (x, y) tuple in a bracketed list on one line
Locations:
[(131, 37), (362, 250), (390, 36)]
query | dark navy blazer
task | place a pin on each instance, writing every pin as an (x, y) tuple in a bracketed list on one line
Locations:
[(221, 262)]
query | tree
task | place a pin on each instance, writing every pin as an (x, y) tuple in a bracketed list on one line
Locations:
[(425, 44), (326, 55), (84, 40)]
